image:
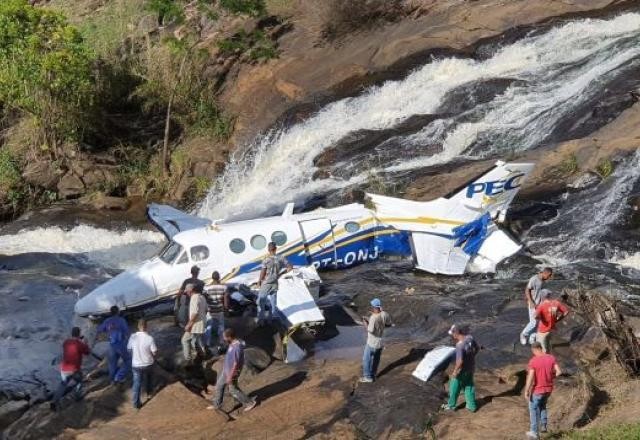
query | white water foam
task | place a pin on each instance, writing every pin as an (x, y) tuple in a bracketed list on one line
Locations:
[(558, 71), (112, 249)]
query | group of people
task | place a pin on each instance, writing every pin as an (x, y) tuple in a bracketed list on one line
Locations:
[(544, 312)]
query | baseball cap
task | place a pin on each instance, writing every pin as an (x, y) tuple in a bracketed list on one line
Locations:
[(375, 302)]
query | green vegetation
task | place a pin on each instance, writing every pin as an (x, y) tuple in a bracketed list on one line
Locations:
[(615, 432), (253, 8), (569, 164), (605, 168), (167, 11), (46, 71), (201, 185), (257, 44), (11, 185)]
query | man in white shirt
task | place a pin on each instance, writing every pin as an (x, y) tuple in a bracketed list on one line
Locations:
[(193, 338), (143, 351)]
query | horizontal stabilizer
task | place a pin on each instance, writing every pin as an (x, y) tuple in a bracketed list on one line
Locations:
[(438, 254), (170, 220)]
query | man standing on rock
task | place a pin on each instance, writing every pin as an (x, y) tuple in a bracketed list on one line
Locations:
[(533, 298), (143, 351), (181, 305), (231, 369), (271, 268), (73, 349), (541, 371), (117, 330), (193, 337), (376, 324), (548, 313), (461, 377)]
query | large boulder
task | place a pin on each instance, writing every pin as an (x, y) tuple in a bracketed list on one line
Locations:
[(70, 186), (41, 174)]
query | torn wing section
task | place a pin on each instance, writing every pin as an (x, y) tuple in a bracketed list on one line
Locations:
[(170, 220)]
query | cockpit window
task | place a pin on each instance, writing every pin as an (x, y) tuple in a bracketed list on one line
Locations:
[(170, 252), (183, 258), (199, 253)]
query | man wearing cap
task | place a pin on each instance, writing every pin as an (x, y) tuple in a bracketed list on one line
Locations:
[(548, 313), (272, 265), (376, 323), (534, 298), (461, 377), (181, 305)]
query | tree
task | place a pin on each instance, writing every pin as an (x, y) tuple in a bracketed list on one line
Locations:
[(46, 70)]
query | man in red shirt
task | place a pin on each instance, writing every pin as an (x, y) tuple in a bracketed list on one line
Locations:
[(541, 371), (73, 349), (548, 313)]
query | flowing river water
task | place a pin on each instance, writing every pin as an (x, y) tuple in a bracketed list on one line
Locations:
[(534, 91)]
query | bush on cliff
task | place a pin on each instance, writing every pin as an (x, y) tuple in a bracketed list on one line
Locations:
[(46, 71)]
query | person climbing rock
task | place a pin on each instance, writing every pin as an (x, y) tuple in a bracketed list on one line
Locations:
[(143, 352), (461, 378), (117, 331), (376, 323), (231, 369), (271, 268), (73, 349), (541, 372), (181, 304), (548, 313), (533, 298)]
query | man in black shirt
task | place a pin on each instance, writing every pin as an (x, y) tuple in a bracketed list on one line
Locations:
[(182, 300)]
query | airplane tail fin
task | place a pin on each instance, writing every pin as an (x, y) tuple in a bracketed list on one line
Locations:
[(493, 191)]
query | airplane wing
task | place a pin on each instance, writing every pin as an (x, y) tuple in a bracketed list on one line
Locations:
[(170, 220)]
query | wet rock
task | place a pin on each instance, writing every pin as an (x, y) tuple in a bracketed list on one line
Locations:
[(102, 201), (42, 174), (11, 411), (70, 186), (290, 90), (593, 345), (584, 181)]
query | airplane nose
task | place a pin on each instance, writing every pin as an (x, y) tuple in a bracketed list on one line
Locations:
[(125, 290)]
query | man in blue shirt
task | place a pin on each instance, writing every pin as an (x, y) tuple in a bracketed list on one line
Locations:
[(117, 331), (231, 369)]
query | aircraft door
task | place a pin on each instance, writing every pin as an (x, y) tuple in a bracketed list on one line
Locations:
[(319, 243)]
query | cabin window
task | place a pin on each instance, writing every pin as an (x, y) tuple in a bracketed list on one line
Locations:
[(279, 238), (352, 227), (199, 253), (258, 242), (170, 252), (237, 246), (183, 259)]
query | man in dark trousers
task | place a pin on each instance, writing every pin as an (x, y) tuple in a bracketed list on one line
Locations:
[(541, 372), (272, 265), (117, 331), (461, 377), (182, 301), (231, 369), (73, 349)]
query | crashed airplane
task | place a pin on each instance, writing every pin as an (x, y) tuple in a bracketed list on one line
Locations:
[(450, 235)]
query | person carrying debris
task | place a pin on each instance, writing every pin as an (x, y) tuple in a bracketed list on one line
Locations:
[(376, 324), (461, 377), (548, 313), (143, 351), (231, 369), (268, 282), (117, 331), (181, 304), (193, 337), (533, 298), (73, 349), (541, 372)]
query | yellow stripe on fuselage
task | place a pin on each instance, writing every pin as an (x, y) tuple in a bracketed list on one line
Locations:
[(422, 220)]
